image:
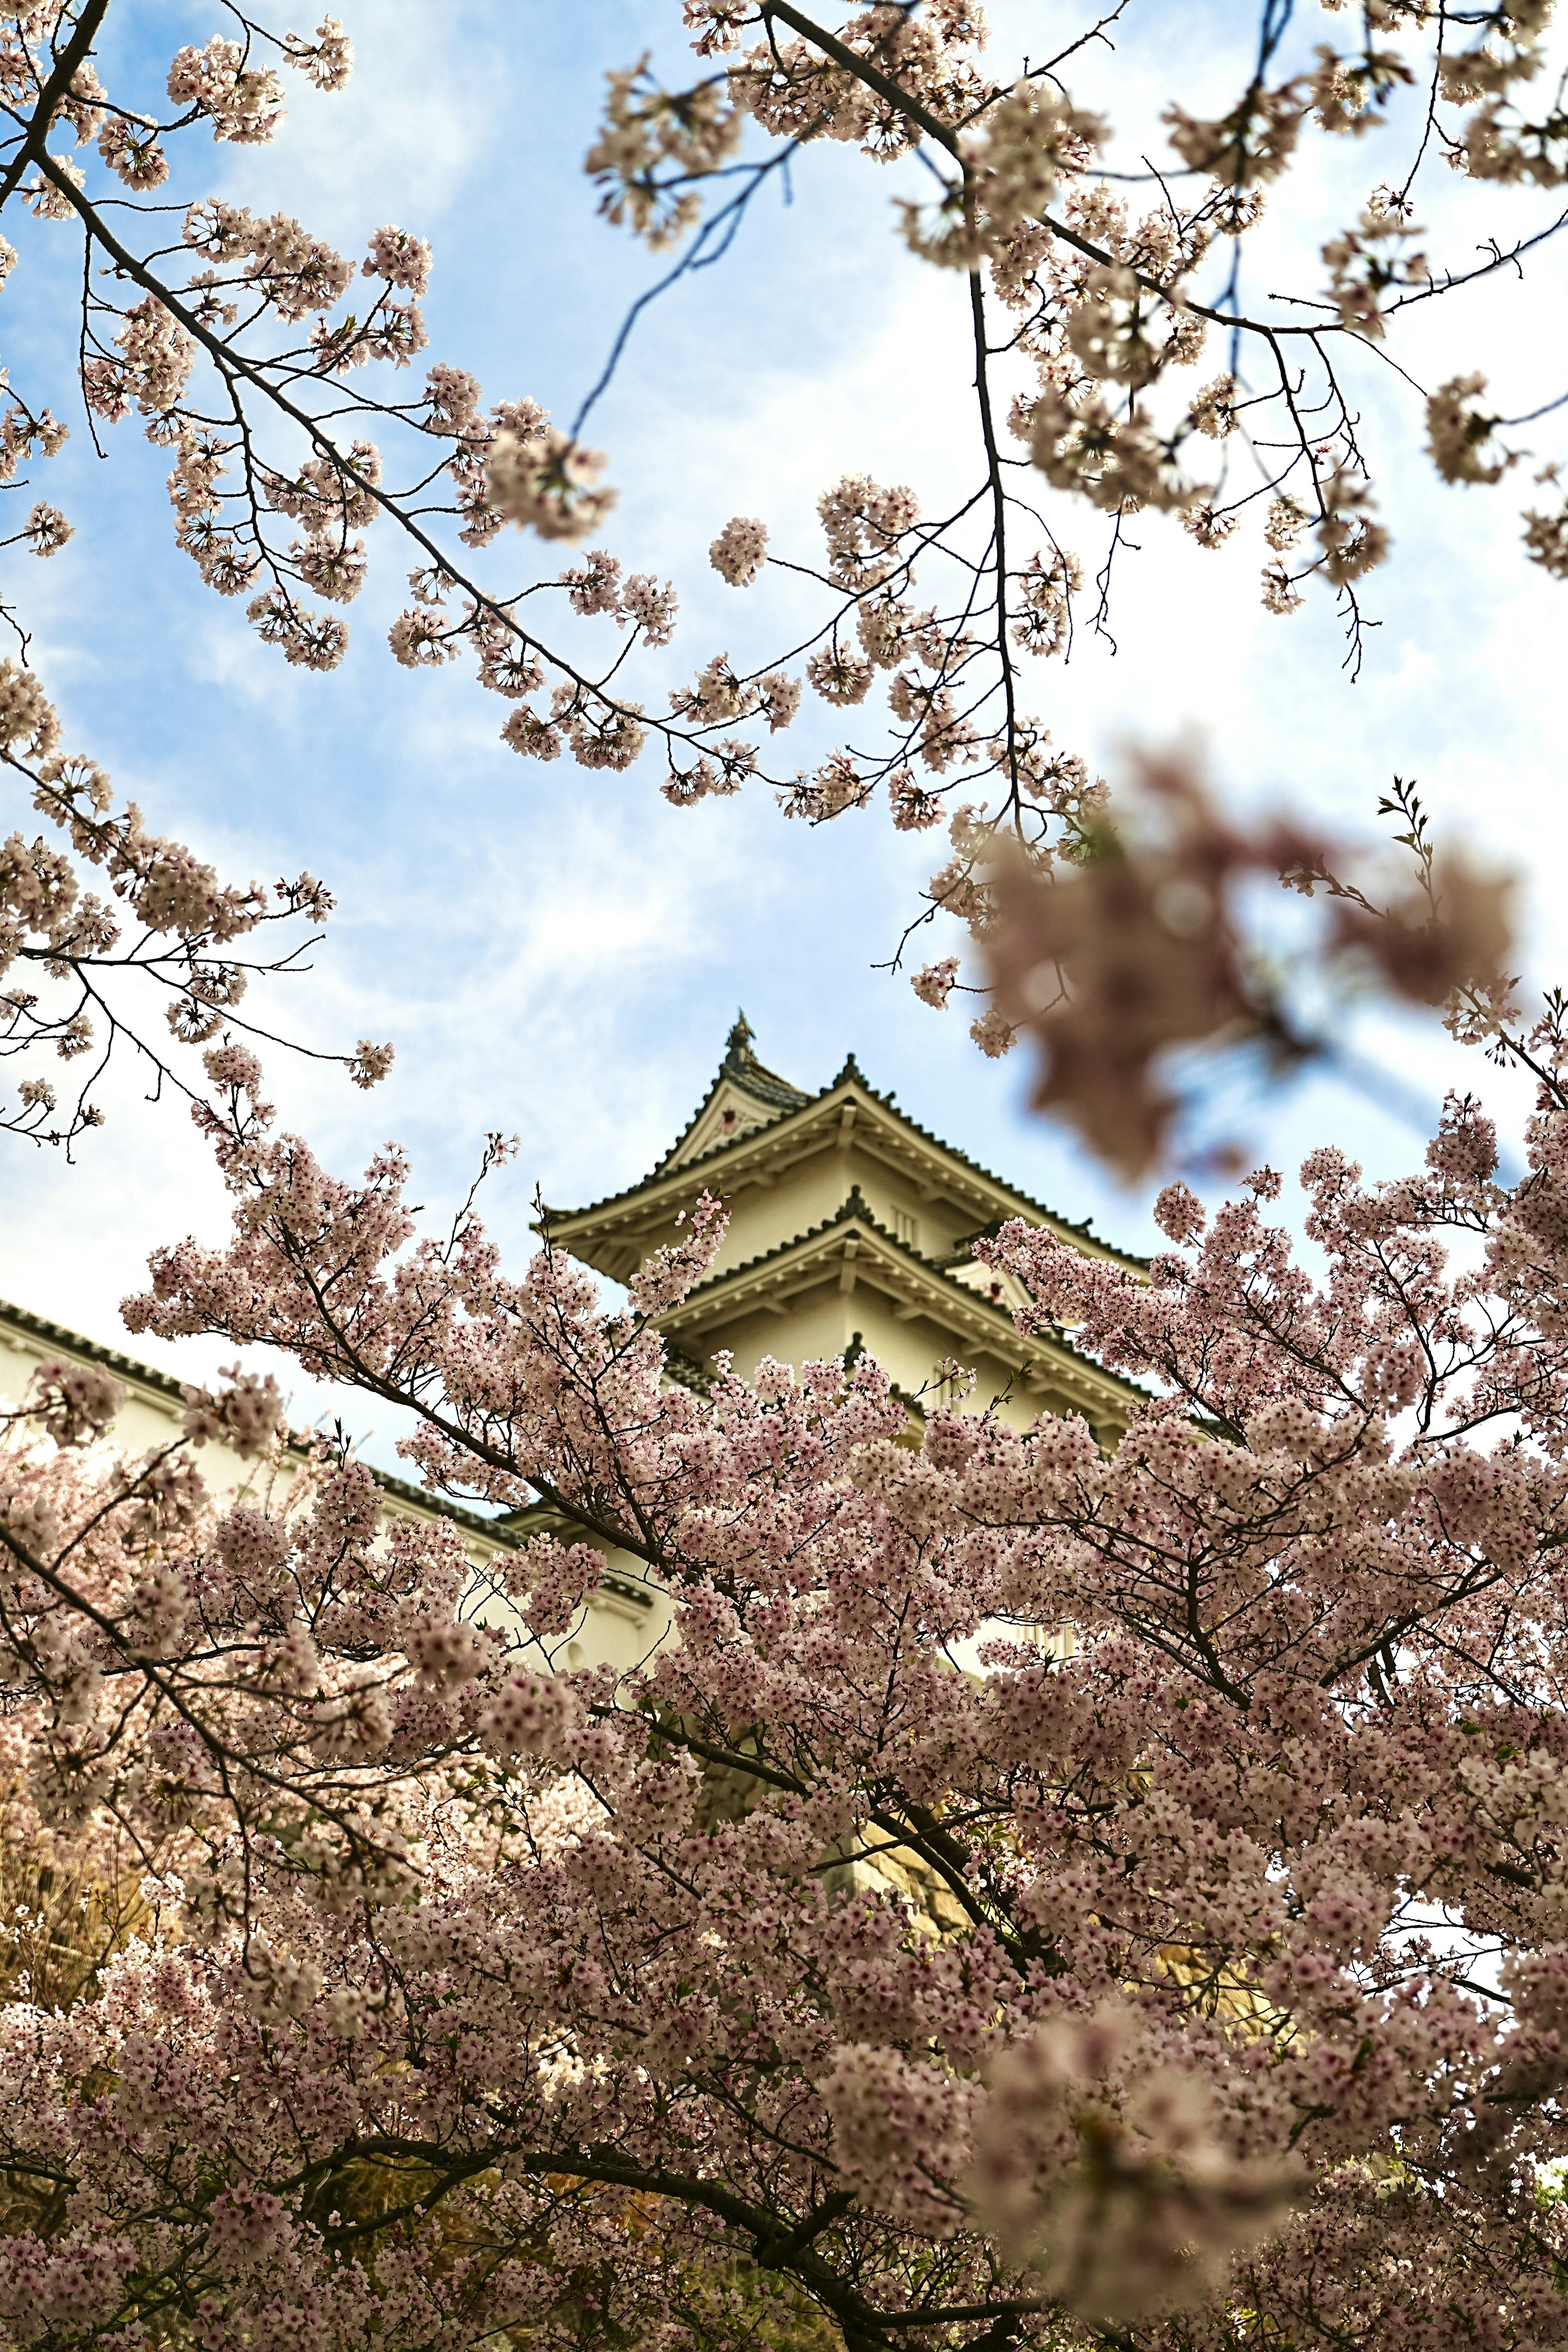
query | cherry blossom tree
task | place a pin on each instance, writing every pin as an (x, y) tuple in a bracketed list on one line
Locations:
[(1192, 1975), (1195, 1977), (1101, 255)]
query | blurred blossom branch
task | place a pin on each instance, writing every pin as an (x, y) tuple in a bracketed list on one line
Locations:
[(1141, 946)]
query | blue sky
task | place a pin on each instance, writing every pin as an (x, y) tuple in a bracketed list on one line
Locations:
[(560, 953)]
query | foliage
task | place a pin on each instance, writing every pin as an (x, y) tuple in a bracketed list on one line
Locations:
[(476, 2002)]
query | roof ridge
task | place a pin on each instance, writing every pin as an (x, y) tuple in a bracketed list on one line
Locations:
[(1084, 1225), (742, 1064)]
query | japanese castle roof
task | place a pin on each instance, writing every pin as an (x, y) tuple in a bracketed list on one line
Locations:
[(852, 1235), (779, 1114)]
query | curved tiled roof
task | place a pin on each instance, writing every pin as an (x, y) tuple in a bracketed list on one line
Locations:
[(854, 1211), (742, 1064), (791, 1098)]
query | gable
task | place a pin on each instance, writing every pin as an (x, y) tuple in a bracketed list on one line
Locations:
[(730, 1113), (743, 1097)]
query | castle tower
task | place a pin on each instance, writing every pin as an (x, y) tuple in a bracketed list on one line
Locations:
[(851, 1228)]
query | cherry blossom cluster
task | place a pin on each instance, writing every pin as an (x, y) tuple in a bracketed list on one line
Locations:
[(152, 319), (1198, 1977), (1085, 312), (863, 90), (653, 145), (177, 931)]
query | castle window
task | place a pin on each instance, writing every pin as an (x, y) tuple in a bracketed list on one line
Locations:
[(907, 1227)]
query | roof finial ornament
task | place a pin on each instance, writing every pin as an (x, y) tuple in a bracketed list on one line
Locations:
[(737, 1044)]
